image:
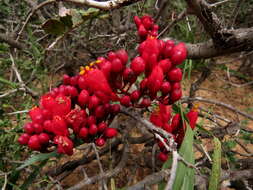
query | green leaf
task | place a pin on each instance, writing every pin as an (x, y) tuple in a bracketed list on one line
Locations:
[(54, 26), (216, 168), (185, 175), (37, 158), (12, 84)]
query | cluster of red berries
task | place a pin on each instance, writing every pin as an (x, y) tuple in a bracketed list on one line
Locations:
[(162, 118), (85, 104)]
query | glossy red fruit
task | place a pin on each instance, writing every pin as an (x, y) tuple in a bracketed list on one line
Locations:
[(165, 64), (83, 98), (122, 55), (93, 129), (129, 76), (175, 75), (23, 139), (192, 116), (106, 67), (142, 32), (46, 114), (111, 56), (91, 120), (44, 138), (34, 143), (102, 126), (36, 114), (115, 109), (83, 133), (62, 106), (37, 128), (116, 65), (100, 141), (110, 132), (175, 123), (137, 21), (135, 95), (175, 85), (167, 51), (175, 95), (66, 79), (47, 126), (143, 84), (65, 145), (74, 81), (125, 101), (165, 88), (162, 157), (94, 101), (63, 90), (72, 91), (161, 45), (145, 103), (28, 128), (82, 83), (100, 112), (138, 65), (47, 102), (155, 80), (179, 54), (167, 128)]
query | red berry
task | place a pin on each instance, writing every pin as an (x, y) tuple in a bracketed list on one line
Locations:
[(175, 95), (59, 126), (122, 55), (175, 123), (165, 64), (23, 139), (47, 126), (100, 112), (138, 65), (175, 85), (125, 101), (34, 143), (115, 108), (83, 133), (117, 65), (74, 80), (94, 101), (143, 84), (47, 102), (36, 114), (179, 54), (44, 138), (91, 120), (37, 128), (129, 76), (135, 95), (145, 103), (83, 98), (167, 51), (66, 79), (102, 126), (46, 114), (110, 132), (175, 75), (28, 128), (165, 88), (147, 22), (93, 129), (100, 141), (62, 105), (111, 56), (106, 67), (161, 144), (162, 156), (82, 83), (72, 91)]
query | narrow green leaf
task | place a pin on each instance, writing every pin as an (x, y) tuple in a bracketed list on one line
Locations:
[(216, 168), (12, 84), (37, 158), (185, 175)]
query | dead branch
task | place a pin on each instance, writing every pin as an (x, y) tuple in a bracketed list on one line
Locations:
[(11, 42)]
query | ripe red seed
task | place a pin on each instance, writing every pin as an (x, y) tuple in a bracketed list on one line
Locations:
[(83, 98), (175, 75), (137, 21), (138, 65), (179, 54), (165, 64), (165, 88), (147, 22), (100, 141), (83, 133), (100, 112), (93, 129), (145, 103), (94, 101), (175, 85), (23, 139), (110, 132), (81, 83), (46, 114), (47, 126), (28, 128), (162, 156), (72, 91), (111, 56), (102, 126), (143, 84), (115, 109), (117, 65), (37, 128), (129, 76), (167, 51), (66, 79), (106, 67), (135, 95), (91, 120), (74, 80), (125, 101), (142, 32), (44, 138), (34, 143), (122, 55), (175, 95)]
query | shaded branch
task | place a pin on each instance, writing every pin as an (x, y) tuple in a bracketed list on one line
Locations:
[(11, 42)]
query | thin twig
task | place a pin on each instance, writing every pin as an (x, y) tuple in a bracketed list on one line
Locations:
[(173, 172)]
